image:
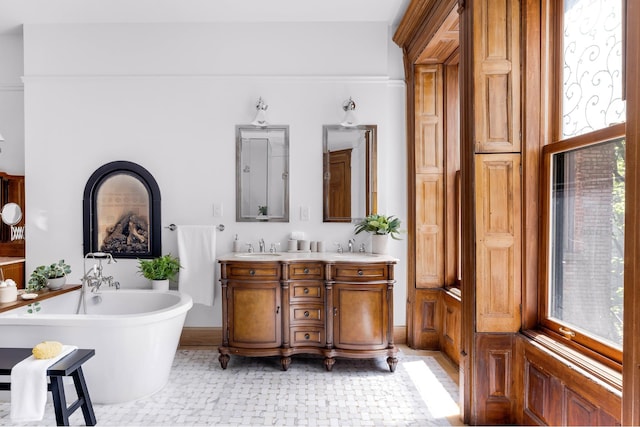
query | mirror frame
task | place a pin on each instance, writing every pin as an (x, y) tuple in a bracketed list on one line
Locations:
[(13, 208), (239, 216), (371, 172)]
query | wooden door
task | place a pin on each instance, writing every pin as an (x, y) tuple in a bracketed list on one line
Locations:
[(340, 185), (255, 318), (360, 316)]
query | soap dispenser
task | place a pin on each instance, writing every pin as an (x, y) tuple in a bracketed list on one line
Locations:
[(236, 245)]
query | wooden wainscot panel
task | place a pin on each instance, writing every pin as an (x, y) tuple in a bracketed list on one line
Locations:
[(425, 319), (556, 392), (450, 338), (494, 378), (498, 236), (497, 75)]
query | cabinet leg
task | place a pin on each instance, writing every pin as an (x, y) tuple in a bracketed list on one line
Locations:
[(223, 359), (329, 362), (392, 361), (285, 361)]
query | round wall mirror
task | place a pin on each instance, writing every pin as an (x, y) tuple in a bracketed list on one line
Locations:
[(11, 213)]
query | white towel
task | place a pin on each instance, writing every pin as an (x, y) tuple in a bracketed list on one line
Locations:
[(29, 386), (197, 253)]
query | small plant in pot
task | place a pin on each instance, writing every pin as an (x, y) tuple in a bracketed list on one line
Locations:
[(159, 270), (380, 227), (53, 276)]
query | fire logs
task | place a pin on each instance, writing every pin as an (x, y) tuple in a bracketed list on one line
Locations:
[(129, 235)]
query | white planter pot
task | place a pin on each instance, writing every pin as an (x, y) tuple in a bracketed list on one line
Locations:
[(57, 283), (160, 285), (380, 244)]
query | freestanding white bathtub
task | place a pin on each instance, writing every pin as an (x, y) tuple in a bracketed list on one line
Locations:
[(135, 334)]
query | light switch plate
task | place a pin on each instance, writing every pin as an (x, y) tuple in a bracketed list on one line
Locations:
[(304, 213)]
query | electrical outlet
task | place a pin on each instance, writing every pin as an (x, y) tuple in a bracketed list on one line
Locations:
[(217, 209), (304, 213)]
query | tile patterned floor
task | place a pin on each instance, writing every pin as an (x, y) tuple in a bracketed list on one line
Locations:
[(256, 392)]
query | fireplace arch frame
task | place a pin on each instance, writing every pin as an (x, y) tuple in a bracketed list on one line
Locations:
[(90, 209)]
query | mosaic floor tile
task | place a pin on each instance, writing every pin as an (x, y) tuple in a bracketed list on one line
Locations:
[(256, 392)]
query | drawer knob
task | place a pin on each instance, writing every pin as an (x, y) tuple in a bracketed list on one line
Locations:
[(307, 336), (306, 290), (360, 272), (306, 314), (252, 272), (306, 270)]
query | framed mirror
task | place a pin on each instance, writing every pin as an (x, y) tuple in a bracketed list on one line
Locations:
[(262, 173), (350, 172), (11, 213)]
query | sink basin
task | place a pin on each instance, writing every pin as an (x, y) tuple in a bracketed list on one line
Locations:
[(353, 254), (256, 254)]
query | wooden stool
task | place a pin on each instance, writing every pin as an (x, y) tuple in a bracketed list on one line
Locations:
[(69, 366)]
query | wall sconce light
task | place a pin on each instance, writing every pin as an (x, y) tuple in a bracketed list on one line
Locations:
[(261, 115), (349, 117)]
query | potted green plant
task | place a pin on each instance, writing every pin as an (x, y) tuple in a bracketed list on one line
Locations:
[(159, 270), (380, 227), (52, 276)]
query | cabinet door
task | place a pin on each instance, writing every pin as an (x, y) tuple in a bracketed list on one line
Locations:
[(255, 318), (360, 316)]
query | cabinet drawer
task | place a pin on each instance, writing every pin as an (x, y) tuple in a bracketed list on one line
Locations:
[(360, 273), (249, 271), (307, 337), (307, 313), (306, 292), (306, 271)]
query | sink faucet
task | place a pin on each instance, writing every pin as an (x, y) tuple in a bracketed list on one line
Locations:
[(95, 278), (340, 250), (250, 248), (261, 245), (361, 249), (351, 242)]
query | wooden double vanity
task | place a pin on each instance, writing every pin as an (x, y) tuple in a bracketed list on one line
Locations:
[(328, 304)]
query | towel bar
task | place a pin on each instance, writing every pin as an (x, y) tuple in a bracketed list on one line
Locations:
[(173, 227)]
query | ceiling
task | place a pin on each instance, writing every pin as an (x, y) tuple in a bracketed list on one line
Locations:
[(13, 13)]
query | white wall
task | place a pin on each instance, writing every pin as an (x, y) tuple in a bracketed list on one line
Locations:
[(168, 97), (11, 105)]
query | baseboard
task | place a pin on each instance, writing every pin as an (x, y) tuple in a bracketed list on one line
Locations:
[(201, 336), (212, 336)]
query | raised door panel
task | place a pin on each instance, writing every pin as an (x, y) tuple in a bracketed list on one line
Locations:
[(340, 184), (15, 272), (429, 145), (360, 316), (255, 315), (429, 231), (497, 75), (498, 251)]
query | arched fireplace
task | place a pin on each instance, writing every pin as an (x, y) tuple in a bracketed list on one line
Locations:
[(121, 212)]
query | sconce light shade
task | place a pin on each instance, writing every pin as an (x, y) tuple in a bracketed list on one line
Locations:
[(261, 115), (349, 117), (1, 138)]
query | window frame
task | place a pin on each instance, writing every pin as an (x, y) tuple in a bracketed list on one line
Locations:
[(584, 344), (593, 346)]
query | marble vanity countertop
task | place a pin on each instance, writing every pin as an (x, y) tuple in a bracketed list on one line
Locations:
[(308, 256), (6, 260)]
